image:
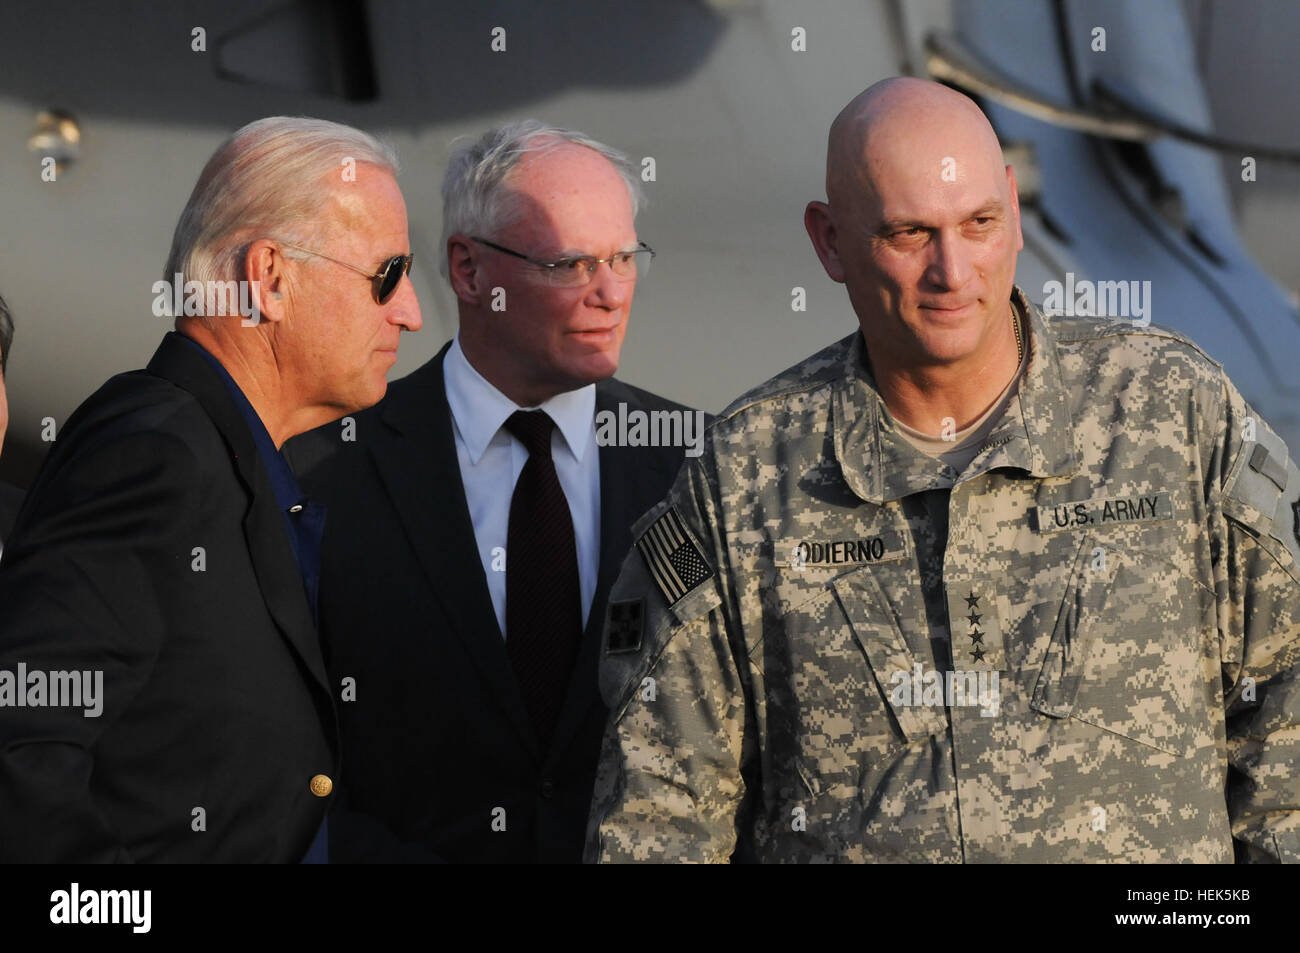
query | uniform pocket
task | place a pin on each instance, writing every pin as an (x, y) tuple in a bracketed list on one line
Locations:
[(1123, 655), (821, 685), (824, 711), (831, 647)]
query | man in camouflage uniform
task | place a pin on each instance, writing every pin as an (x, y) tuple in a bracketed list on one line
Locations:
[(1065, 629)]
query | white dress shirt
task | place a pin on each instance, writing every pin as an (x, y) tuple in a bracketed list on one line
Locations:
[(491, 459)]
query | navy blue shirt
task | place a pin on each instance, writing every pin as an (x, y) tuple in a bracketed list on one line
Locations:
[(304, 521)]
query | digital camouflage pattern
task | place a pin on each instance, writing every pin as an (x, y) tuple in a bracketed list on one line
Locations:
[(1124, 548)]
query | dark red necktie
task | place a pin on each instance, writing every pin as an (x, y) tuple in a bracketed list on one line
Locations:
[(543, 598)]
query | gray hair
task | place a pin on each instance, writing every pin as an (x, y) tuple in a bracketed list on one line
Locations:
[(476, 198), (264, 181), (6, 335)]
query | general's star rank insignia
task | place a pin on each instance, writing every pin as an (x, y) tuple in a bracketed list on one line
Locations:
[(974, 627), (625, 625), (672, 556)]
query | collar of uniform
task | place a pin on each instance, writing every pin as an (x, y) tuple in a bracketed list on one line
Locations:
[(478, 408), (879, 465), (1045, 422)]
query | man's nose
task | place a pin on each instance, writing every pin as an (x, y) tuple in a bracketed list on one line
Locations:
[(405, 306), (950, 262), (608, 290)]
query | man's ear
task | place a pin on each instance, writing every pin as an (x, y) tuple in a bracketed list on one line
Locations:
[(264, 266), (463, 270), (1015, 207), (817, 220)]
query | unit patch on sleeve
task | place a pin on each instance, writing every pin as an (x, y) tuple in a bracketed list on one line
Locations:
[(626, 625)]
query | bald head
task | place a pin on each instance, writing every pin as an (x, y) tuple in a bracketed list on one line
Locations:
[(922, 225), (904, 123)]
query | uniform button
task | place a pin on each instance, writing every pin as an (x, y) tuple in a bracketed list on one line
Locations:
[(297, 508), (321, 785), (548, 787)]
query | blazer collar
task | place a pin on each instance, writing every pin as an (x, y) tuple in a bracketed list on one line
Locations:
[(264, 531), (177, 361)]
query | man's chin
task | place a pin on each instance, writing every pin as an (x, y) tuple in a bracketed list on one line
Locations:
[(362, 399), (376, 394), (594, 367)]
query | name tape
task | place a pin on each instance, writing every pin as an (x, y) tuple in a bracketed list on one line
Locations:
[(798, 554)]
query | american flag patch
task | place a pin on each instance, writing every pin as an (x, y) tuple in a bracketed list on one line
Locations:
[(672, 557)]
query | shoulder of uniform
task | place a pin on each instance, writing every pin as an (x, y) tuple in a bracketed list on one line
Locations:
[(1262, 492), (1153, 351), (1156, 339), (665, 584), (675, 559), (812, 373)]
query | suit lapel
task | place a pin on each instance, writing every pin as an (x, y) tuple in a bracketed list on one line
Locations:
[(264, 531), (415, 453), (278, 576), (629, 478)]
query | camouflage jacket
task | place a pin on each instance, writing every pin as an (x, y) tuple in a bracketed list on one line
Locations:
[(1121, 582)]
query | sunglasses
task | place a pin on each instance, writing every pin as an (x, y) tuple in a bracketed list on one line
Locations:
[(382, 283)]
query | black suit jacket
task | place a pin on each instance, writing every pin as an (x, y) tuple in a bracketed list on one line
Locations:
[(151, 549), (11, 500), (438, 737)]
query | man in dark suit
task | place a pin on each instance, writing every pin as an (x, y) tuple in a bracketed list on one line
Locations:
[(158, 628), (11, 498), (479, 514)]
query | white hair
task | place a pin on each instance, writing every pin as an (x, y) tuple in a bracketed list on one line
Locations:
[(265, 181), (476, 197)]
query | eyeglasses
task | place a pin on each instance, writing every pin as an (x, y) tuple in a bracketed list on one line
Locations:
[(578, 271), (383, 283)]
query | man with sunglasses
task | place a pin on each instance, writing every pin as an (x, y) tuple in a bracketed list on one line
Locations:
[(478, 518), (159, 590)]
